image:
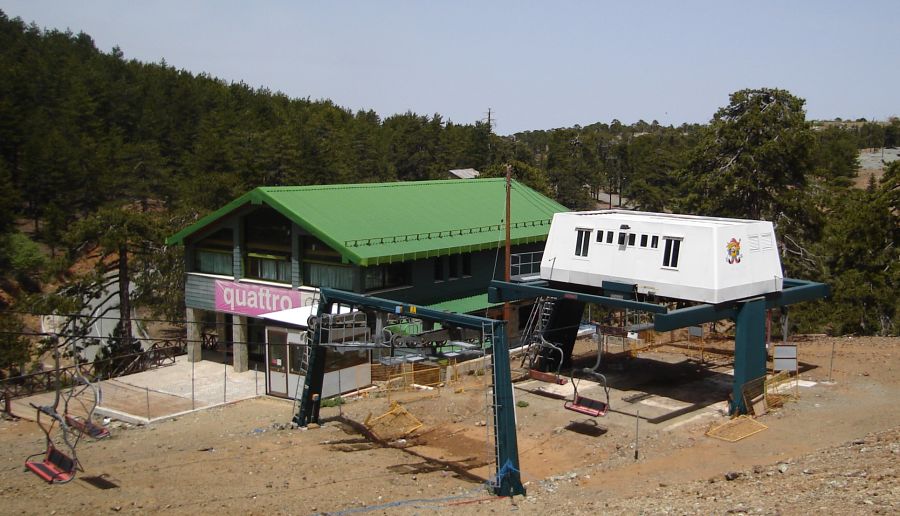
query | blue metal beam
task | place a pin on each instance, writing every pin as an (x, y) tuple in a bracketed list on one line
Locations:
[(794, 291), (330, 295), (500, 291), (692, 316)]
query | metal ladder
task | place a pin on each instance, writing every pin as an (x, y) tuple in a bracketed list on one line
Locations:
[(314, 300), (304, 357), (534, 329), (304, 366), (490, 406)]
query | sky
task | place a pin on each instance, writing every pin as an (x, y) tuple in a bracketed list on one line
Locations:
[(534, 65)]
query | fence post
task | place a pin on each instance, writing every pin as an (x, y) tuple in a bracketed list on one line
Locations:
[(148, 404), (831, 363), (225, 385), (7, 403), (637, 423), (256, 378), (193, 403)]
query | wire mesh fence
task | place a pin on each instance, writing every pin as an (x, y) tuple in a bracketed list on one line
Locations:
[(181, 388), (161, 393)]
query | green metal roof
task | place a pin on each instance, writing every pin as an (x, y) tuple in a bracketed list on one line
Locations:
[(465, 305), (377, 223)]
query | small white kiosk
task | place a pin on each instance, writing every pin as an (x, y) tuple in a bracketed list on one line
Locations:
[(705, 259), (287, 356)]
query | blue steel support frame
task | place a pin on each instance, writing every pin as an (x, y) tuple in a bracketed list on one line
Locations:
[(500, 291), (795, 291), (311, 398), (749, 350), (509, 481), (749, 315)]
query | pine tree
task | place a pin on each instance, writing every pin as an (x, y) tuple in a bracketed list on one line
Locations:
[(753, 162)]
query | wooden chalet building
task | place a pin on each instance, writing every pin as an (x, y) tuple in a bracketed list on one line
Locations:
[(433, 243)]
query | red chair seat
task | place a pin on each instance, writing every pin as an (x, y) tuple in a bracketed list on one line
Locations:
[(55, 468), (86, 427), (546, 377), (587, 406)]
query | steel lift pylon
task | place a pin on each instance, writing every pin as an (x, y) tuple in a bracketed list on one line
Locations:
[(749, 316), (508, 481)]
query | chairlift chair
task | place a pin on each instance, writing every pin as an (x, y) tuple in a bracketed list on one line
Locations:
[(588, 406), (86, 426), (55, 468), (545, 376)]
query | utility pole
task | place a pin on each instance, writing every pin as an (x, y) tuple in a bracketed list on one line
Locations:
[(490, 124), (506, 261)]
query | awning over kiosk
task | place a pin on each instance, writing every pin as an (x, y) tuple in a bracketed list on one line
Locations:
[(300, 316)]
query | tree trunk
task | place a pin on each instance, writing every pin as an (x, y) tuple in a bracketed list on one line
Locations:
[(124, 299)]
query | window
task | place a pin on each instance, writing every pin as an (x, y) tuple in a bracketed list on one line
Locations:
[(438, 269), (467, 264), (330, 276), (643, 240), (670, 255), (454, 266), (269, 267), (337, 360), (600, 236), (277, 341), (654, 242), (316, 250), (610, 236), (265, 228), (213, 254), (622, 237), (631, 238), (380, 277), (213, 262), (581, 244)]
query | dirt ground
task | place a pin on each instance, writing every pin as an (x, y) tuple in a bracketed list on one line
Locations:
[(833, 449)]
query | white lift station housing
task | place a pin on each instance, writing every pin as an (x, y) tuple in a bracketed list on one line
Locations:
[(686, 257)]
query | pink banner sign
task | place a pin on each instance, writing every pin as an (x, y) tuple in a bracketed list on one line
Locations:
[(252, 299)]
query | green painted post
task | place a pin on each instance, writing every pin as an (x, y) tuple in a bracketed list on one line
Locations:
[(749, 349), (510, 479)]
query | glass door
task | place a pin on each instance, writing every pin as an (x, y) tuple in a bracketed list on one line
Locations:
[(276, 361)]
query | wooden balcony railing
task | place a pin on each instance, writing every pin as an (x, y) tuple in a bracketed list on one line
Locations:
[(160, 354)]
